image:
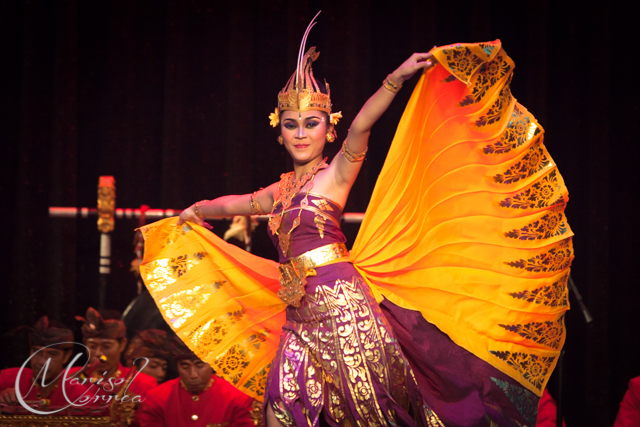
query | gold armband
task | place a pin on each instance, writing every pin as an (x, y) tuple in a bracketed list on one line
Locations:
[(390, 85), (350, 155), (255, 205)]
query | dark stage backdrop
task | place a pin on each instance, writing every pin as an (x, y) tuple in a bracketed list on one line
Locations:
[(172, 98)]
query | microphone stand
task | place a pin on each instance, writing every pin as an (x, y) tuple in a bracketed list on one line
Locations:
[(588, 319)]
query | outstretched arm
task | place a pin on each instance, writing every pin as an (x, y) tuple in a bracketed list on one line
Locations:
[(228, 206), (358, 137)]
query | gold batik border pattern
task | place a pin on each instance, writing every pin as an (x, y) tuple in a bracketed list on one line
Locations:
[(346, 359), (163, 272), (182, 305), (554, 295), (168, 235), (532, 162), (213, 332), (555, 259), (449, 79), (499, 107), (489, 74), (547, 333), (546, 192), (552, 224), (522, 128), (461, 61), (258, 382), (533, 368), (235, 360)]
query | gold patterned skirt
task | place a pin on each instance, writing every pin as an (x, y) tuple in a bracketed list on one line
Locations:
[(338, 362)]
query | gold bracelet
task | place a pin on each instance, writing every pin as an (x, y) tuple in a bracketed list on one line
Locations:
[(196, 209), (390, 85), (350, 155), (255, 204)]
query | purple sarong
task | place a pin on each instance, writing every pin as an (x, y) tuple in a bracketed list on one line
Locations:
[(344, 360)]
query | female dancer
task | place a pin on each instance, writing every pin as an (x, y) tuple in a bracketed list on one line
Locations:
[(450, 309), (307, 205)]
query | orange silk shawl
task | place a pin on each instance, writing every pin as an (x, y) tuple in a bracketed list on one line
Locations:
[(466, 225)]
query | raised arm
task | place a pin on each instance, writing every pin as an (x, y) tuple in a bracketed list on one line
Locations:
[(380, 101), (228, 206), (358, 138)]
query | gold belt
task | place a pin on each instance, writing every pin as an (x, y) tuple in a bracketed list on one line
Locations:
[(294, 273)]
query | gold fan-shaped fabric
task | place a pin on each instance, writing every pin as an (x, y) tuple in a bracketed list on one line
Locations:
[(219, 299), (466, 223)]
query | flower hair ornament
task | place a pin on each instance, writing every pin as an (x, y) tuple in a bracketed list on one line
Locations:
[(302, 92)]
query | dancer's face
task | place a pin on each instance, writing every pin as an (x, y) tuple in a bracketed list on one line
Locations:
[(304, 134)]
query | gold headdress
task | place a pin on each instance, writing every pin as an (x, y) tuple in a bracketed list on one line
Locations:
[(302, 92)]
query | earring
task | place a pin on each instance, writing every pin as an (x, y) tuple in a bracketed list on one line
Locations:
[(280, 140), (330, 137)]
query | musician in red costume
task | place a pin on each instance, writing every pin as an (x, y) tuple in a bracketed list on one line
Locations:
[(629, 414), (547, 411), (150, 352), (50, 350), (197, 398), (106, 336)]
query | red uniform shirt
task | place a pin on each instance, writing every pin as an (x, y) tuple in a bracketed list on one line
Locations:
[(32, 393), (547, 411), (171, 405), (100, 392), (629, 414)]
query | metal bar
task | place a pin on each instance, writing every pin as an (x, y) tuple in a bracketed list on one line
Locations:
[(105, 268), (68, 212), (585, 311)]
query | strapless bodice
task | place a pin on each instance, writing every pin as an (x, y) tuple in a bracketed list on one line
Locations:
[(319, 224)]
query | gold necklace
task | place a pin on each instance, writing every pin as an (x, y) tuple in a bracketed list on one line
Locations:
[(288, 187)]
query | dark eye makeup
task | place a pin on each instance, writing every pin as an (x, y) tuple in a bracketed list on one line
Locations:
[(311, 122)]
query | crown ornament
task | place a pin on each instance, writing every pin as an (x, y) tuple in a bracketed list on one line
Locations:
[(302, 92)]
